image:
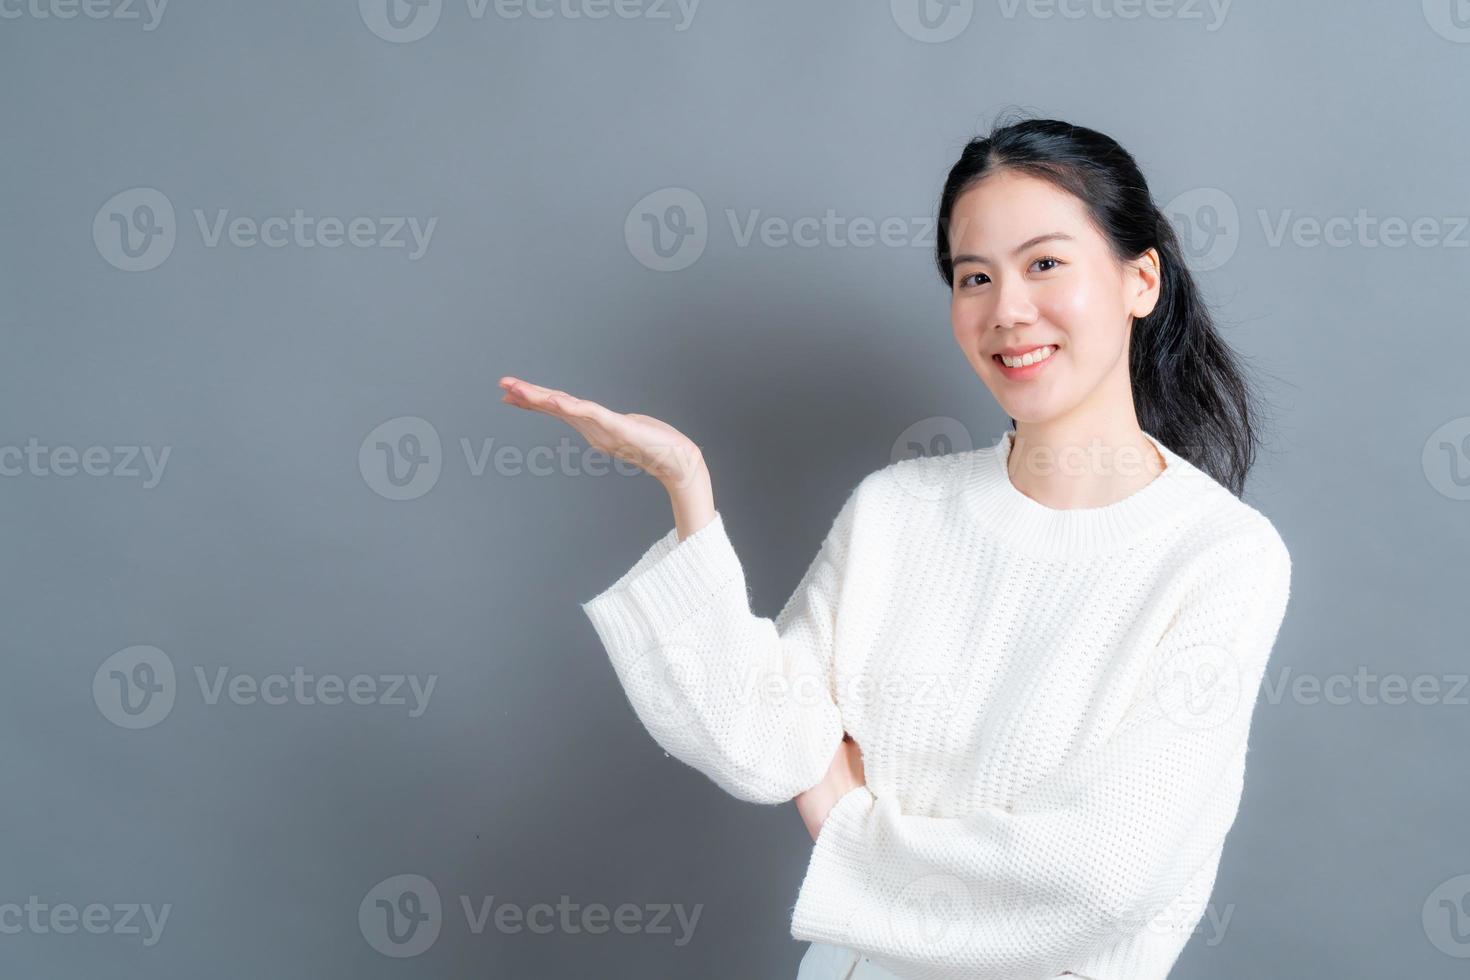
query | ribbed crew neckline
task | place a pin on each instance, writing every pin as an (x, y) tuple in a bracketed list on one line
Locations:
[(1031, 526)]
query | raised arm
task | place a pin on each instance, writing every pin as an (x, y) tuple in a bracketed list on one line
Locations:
[(744, 699)]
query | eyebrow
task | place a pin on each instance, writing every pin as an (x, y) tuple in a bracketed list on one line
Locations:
[(1053, 236)]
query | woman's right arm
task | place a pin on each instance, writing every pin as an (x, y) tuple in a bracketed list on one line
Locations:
[(746, 700)]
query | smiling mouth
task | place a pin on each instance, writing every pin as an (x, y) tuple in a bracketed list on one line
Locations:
[(1031, 357)]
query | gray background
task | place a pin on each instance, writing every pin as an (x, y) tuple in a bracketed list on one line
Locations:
[(266, 547)]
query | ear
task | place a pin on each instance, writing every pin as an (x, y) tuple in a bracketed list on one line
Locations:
[(1144, 274)]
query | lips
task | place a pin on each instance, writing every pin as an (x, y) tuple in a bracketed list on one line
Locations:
[(1037, 353), (1023, 372)]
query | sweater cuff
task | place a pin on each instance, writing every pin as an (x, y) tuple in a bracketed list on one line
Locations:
[(837, 876), (671, 581)]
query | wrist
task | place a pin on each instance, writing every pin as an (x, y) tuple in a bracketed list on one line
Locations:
[(687, 473)]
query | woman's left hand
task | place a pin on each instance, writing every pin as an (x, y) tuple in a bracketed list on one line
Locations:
[(843, 775)]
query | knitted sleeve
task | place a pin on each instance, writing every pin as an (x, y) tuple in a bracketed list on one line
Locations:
[(744, 699), (1087, 857)]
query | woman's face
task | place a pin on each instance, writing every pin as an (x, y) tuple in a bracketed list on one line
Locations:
[(1019, 285)]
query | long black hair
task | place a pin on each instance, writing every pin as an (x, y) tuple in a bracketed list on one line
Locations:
[(1189, 391)]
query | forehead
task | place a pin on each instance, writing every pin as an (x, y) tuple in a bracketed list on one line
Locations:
[(1007, 208)]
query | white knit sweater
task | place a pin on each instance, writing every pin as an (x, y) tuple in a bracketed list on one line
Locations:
[(1052, 705)]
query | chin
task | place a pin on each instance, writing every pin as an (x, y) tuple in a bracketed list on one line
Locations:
[(1032, 411)]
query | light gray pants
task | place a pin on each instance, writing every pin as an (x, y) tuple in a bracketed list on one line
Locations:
[(824, 962)]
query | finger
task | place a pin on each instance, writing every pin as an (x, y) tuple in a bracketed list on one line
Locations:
[(537, 397), (582, 408), (524, 388)]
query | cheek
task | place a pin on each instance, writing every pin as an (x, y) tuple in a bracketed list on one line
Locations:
[(1078, 309), (965, 317), (1069, 305)]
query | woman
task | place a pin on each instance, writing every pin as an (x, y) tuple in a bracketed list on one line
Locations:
[(1011, 696)]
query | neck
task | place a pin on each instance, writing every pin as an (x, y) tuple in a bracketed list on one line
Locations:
[(992, 500), (1066, 464)]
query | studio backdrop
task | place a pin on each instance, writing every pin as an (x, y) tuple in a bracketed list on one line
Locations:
[(298, 685)]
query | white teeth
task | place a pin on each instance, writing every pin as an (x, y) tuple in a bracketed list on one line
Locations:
[(1030, 357)]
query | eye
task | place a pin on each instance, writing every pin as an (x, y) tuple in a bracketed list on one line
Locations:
[(966, 280)]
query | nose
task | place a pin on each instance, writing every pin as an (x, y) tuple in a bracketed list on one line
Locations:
[(1013, 306)]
